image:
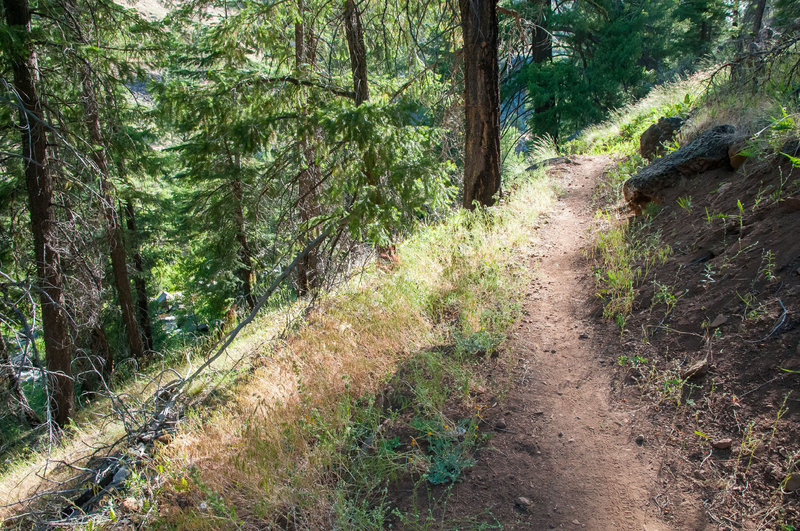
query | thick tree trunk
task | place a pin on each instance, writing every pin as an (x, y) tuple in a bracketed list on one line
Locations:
[(245, 271), (38, 181), (758, 18), (357, 49), (139, 279), (308, 278), (119, 263), (481, 102), (23, 409)]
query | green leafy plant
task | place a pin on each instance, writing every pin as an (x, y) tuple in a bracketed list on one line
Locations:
[(767, 269)]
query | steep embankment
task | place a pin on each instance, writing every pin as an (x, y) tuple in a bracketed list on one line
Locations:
[(709, 347)]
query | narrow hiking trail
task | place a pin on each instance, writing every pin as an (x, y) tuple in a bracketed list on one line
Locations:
[(562, 441)]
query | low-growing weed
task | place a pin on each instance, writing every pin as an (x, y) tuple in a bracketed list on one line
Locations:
[(624, 255), (685, 202)]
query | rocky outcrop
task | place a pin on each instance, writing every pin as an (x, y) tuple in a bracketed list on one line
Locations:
[(651, 143), (706, 152)]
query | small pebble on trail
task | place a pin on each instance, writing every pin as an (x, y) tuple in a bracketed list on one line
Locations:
[(522, 503), (722, 444)]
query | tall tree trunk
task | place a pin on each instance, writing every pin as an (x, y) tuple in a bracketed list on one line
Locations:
[(358, 64), (119, 263), (24, 410), (542, 41), (308, 277), (357, 49), (245, 271), (481, 102), (542, 52), (139, 279), (758, 18), (38, 181)]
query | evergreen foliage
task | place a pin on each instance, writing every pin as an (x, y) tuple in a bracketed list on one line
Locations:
[(230, 136)]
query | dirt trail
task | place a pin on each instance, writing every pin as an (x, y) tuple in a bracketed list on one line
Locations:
[(562, 441)]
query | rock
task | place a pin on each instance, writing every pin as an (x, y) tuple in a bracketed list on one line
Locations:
[(651, 143), (551, 162), (718, 321), (722, 444), (791, 204), (131, 504), (698, 368), (522, 503), (793, 483), (706, 152)]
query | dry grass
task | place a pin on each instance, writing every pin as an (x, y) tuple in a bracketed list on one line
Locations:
[(96, 426), (620, 133), (268, 451), (263, 445)]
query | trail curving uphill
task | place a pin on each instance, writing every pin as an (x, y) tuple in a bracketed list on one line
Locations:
[(562, 441)]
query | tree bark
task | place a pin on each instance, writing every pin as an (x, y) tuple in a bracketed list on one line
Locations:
[(542, 41), (308, 278), (481, 102), (25, 412), (357, 49), (139, 279), (245, 271), (758, 18), (119, 263), (39, 185)]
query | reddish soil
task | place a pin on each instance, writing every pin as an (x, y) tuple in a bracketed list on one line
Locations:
[(730, 434), (562, 440)]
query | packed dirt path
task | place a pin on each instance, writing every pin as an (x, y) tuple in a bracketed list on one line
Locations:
[(562, 440)]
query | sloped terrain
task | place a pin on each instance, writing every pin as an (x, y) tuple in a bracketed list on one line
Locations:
[(711, 349), (564, 453)]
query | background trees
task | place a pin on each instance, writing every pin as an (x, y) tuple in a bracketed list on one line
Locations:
[(195, 156)]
